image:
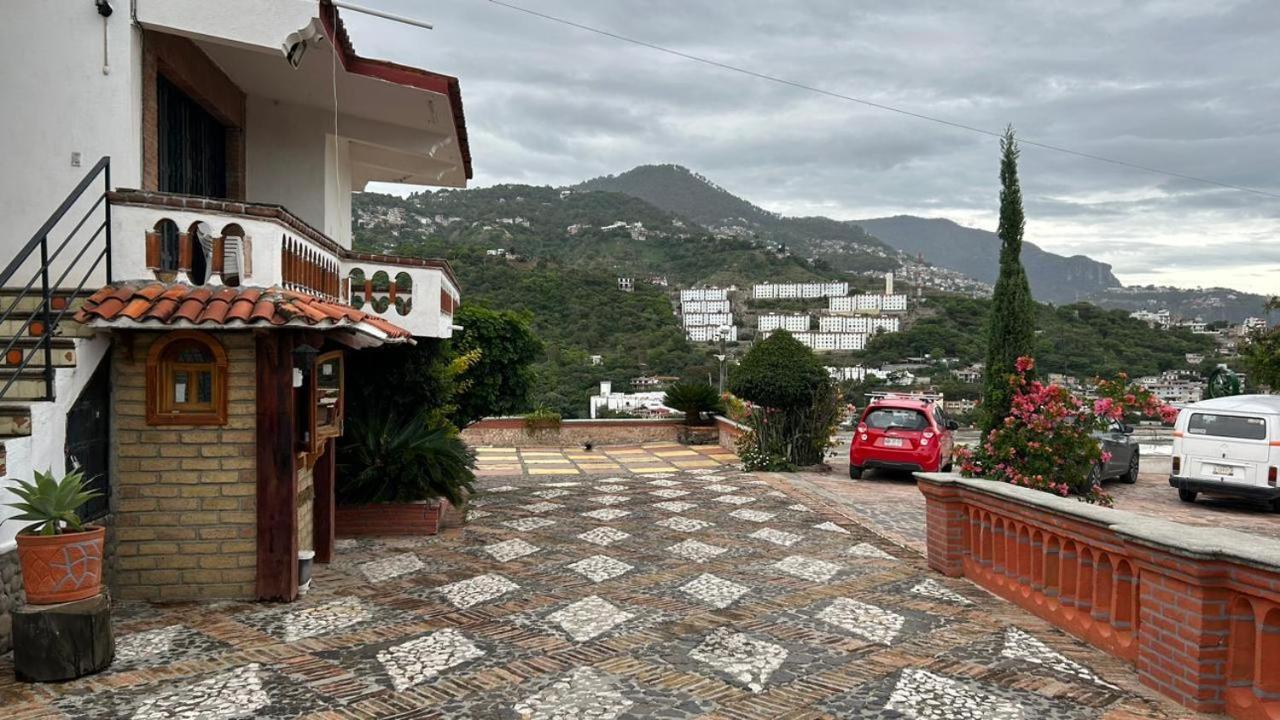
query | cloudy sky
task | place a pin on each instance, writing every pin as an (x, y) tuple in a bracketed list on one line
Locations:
[(1191, 86)]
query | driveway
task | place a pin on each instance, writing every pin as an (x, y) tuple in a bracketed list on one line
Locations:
[(701, 593)]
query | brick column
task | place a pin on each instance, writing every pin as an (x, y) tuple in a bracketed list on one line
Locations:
[(947, 525)]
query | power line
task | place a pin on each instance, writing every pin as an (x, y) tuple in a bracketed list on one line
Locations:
[(876, 105)]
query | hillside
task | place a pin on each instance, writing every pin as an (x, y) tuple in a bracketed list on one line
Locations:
[(1054, 278), (678, 190), (1208, 304), (1078, 339), (606, 232)]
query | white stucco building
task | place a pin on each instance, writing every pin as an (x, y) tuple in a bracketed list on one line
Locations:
[(706, 293), (712, 333), (858, 324), (787, 291), (830, 341), (646, 404), (869, 302), (705, 306), (790, 323)]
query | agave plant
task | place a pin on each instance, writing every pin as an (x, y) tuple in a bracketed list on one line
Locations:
[(693, 399), (51, 503), (386, 459)]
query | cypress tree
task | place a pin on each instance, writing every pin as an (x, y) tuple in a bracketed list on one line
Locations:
[(1011, 327)]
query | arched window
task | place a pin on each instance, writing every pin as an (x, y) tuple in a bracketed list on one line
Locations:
[(187, 380)]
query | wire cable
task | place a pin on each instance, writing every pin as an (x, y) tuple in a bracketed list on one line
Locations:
[(879, 106)]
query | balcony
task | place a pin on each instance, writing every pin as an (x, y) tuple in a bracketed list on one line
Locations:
[(203, 241)]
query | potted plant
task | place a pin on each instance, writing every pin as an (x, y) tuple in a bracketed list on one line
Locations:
[(699, 402), (401, 477), (542, 419), (60, 557)]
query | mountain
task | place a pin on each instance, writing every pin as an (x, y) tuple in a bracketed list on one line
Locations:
[(1054, 278), (607, 232), (1209, 304), (678, 190)]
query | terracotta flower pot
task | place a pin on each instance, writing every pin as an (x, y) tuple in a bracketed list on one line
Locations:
[(61, 568)]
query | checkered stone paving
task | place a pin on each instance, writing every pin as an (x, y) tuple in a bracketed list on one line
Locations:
[(643, 606)]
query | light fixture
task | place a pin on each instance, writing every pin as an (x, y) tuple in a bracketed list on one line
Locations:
[(104, 7)]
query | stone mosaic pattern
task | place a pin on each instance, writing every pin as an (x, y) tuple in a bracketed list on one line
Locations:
[(586, 610)]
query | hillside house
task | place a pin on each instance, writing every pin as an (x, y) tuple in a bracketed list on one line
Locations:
[(195, 296)]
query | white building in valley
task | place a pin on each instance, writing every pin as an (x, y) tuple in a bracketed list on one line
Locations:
[(827, 341), (790, 323), (645, 404), (711, 319), (868, 303), (706, 293), (712, 333), (705, 306)]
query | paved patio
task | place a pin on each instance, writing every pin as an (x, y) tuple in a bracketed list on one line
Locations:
[(703, 593), (640, 459)]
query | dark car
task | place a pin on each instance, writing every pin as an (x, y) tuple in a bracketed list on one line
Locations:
[(1123, 463)]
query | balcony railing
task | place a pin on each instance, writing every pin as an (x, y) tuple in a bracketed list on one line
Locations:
[(196, 240)]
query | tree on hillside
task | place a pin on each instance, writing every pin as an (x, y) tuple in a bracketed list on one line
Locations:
[(1011, 327), (1261, 352), (498, 382)]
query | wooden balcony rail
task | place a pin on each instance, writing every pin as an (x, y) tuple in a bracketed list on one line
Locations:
[(1196, 610)]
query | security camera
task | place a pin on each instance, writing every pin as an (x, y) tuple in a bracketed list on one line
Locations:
[(104, 7), (296, 51)]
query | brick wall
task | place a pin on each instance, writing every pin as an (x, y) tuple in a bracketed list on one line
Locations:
[(1197, 610), (511, 432), (183, 497)]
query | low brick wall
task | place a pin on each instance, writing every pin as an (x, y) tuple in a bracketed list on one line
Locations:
[(1197, 610), (730, 431), (511, 432), (387, 519)]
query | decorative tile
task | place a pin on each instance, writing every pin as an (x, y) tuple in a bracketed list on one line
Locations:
[(675, 506), (549, 494), (482, 588), (589, 617), (542, 507), (604, 535), (508, 550), (599, 568), (669, 493), (321, 619), (500, 489), (777, 537), (477, 514), (696, 551), (585, 694), (935, 590), (757, 516), (720, 488), (611, 488), (683, 524), (390, 567), (608, 499), (831, 527), (606, 514), (799, 508), (1022, 646), (662, 481), (866, 621), (527, 524), (561, 484), (414, 662), (867, 550), (714, 591), (235, 693), (734, 499), (807, 568), (922, 695), (745, 660)]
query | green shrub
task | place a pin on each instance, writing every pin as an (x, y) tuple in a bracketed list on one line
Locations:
[(542, 418), (792, 404), (695, 399), (386, 459), (778, 373)]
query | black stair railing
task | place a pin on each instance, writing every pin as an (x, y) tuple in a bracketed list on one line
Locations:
[(99, 234)]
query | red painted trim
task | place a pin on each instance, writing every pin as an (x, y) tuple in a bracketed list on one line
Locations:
[(398, 74)]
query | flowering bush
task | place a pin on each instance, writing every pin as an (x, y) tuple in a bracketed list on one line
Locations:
[(1047, 441)]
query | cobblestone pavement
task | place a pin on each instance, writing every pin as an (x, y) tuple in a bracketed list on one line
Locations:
[(700, 594), (891, 505), (640, 459)]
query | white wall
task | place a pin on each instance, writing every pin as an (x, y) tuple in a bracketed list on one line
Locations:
[(57, 101), (256, 23)]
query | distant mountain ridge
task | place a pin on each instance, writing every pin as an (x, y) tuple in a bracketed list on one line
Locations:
[(845, 245), (1054, 278)]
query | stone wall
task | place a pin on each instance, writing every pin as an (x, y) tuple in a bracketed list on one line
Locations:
[(11, 596), (511, 432), (730, 431), (1197, 610), (183, 497)]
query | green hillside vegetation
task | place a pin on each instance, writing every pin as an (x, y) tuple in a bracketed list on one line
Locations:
[(1079, 339)]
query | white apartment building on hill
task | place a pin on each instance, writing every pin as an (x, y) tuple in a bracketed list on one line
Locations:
[(705, 306), (858, 324), (711, 319), (868, 303), (790, 323), (787, 291), (826, 342), (712, 333), (646, 404), (707, 293)]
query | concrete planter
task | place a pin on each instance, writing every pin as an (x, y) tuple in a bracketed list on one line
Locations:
[(61, 568), (698, 435), (388, 519)]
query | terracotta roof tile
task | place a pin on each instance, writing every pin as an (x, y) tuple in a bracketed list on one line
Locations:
[(166, 304)]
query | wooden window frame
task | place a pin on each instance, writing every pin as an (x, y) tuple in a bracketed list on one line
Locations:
[(160, 409), (321, 433)]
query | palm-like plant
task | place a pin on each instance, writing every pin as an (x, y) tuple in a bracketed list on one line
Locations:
[(385, 459), (51, 503), (693, 399)]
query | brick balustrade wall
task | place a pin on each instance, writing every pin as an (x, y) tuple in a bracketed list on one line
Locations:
[(512, 432), (183, 497), (1197, 610), (729, 432)]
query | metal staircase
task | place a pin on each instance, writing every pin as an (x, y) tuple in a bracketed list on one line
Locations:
[(41, 288)]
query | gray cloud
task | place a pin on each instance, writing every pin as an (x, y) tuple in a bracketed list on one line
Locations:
[(1185, 85)]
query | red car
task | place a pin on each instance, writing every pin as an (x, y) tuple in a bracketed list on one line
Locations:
[(902, 432)]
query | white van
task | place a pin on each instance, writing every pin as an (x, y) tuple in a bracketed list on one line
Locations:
[(1228, 446)]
